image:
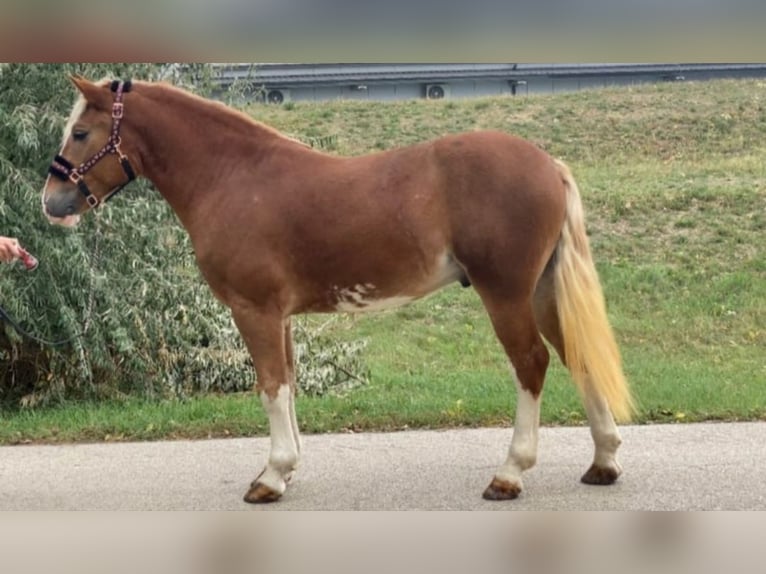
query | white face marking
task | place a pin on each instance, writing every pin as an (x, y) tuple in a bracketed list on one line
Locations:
[(77, 112)]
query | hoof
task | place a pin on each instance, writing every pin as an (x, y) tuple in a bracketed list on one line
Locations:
[(501, 490), (600, 475), (259, 493)]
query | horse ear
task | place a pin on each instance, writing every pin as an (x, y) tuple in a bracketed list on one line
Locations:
[(93, 94), (78, 81)]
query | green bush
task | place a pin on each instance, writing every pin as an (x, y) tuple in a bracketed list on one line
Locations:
[(127, 274)]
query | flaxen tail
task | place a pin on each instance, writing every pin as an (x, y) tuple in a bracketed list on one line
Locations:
[(591, 351)]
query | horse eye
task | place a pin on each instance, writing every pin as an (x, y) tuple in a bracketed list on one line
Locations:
[(80, 136)]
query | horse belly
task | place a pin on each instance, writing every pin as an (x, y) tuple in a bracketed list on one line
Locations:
[(366, 297)]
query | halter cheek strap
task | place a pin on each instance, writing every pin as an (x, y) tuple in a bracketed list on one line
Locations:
[(65, 171)]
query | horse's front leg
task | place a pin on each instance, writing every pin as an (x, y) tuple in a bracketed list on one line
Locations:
[(264, 334)]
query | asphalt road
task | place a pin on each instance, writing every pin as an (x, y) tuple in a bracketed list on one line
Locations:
[(667, 467)]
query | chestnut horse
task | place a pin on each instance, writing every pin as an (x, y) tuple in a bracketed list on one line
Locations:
[(279, 229)]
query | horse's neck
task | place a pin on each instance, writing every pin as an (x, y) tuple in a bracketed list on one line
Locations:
[(189, 146)]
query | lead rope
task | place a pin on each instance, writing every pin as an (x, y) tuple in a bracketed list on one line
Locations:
[(94, 263)]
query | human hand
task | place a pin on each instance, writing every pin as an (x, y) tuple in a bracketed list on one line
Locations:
[(9, 249)]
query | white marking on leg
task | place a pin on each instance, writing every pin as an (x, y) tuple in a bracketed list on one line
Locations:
[(283, 457), (296, 434), (523, 451), (603, 429), (294, 422)]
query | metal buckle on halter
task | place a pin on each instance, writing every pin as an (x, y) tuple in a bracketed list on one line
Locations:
[(75, 177), (121, 156), (92, 200), (117, 110)]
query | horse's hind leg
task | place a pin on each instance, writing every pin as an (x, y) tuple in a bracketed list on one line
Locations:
[(606, 438), (515, 326), (266, 338)]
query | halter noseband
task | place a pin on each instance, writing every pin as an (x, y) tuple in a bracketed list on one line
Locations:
[(64, 170)]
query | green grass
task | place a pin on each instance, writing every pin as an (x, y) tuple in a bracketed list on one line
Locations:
[(674, 184)]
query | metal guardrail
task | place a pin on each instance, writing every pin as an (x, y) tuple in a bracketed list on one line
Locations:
[(297, 75)]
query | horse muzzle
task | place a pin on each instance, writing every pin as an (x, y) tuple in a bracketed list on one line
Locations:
[(61, 207)]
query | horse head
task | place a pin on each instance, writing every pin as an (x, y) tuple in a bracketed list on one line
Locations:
[(92, 164)]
